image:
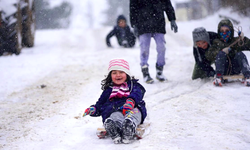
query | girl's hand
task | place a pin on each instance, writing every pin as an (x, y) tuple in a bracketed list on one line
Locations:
[(91, 110), (128, 106)]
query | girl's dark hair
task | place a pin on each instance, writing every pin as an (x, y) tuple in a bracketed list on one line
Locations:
[(108, 81)]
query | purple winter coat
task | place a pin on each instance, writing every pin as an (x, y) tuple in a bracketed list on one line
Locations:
[(105, 107)]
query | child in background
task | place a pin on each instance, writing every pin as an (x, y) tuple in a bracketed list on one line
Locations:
[(122, 32), (202, 41), (121, 103), (227, 54)]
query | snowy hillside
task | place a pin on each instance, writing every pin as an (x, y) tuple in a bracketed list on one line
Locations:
[(184, 114)]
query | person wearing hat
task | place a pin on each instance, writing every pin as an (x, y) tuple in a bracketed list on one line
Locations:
[(122, 32), (202, 41), (227, 53), (121, 103)]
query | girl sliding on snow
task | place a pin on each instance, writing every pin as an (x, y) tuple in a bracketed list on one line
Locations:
[(120, 104)]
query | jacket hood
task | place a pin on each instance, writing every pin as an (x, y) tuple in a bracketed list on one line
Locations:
[(226, 22), (121, 17)]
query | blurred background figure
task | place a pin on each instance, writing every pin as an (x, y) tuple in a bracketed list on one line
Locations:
[(122, 32), (202, 41), (148, 18)]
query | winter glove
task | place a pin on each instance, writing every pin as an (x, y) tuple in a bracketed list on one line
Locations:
[(241, 35), (91, 110), (128, 106), (136, 31), (108, 44), (174, 26), (226, 50)]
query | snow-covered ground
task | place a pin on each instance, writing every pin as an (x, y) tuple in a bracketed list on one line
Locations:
[(184, 114)]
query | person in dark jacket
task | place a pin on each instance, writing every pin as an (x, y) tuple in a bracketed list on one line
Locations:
[(227, 54), (202, 41), (123, 34), (147, 17), (121, 103)]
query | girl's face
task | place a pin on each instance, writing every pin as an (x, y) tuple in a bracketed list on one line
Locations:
[(118, 77), (202, 44)]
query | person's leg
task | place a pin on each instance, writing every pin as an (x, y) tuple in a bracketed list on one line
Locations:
[(144, 47), (144, 55), (132, 120), (131, 40), (161, 49), (221, 64), (240, 64), (221, 68), (113, 126)]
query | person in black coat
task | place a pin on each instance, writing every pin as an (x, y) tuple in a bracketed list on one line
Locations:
[(202, 41), (122, 32), (147, 17)]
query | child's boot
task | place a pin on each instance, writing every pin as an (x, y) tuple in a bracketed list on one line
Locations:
[(218, 80), (247, 81), (111, 129), (159, 75), (146, 75), (128, 130)]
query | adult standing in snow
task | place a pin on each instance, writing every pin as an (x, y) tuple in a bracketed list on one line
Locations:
[(147, 16), (227, 53), (122, 32), (120, 104), (202, 41)]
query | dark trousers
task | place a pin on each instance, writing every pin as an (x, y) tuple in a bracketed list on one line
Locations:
[(128, 41), (226, 65)]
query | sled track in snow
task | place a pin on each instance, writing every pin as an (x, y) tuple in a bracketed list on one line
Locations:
[(170, 88)]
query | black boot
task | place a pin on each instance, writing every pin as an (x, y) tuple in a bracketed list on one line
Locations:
[(159, 75), (112, 130), (146, 75), (128, 131)]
